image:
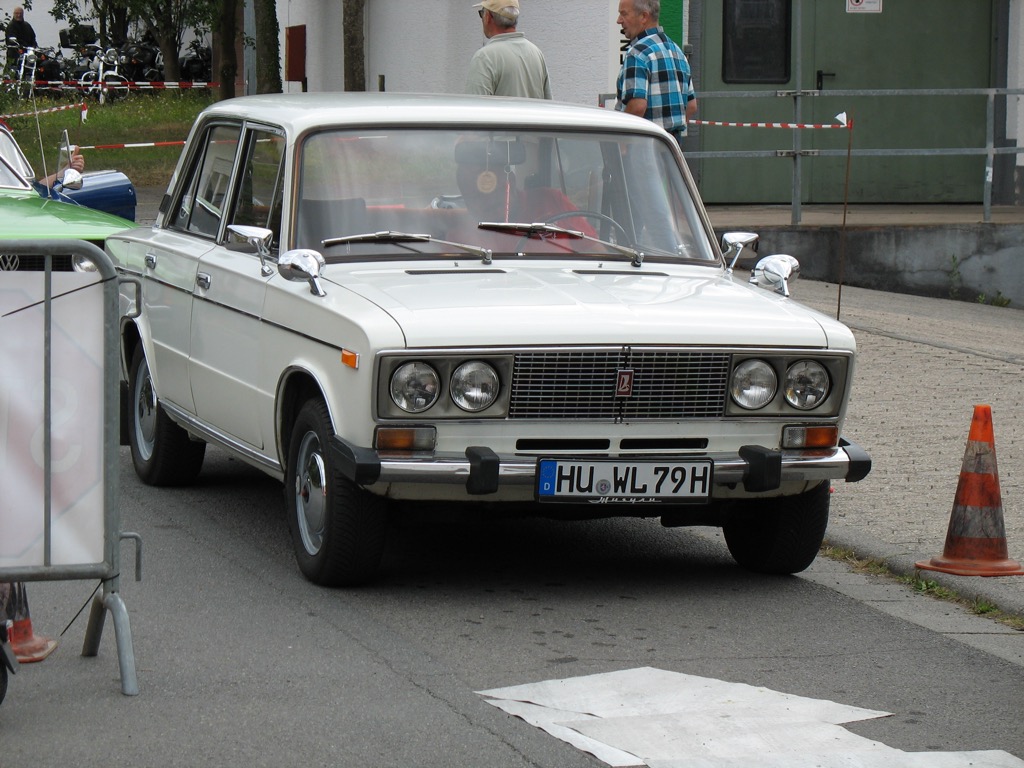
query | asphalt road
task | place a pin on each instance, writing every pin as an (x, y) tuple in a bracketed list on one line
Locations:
[(241, 662)]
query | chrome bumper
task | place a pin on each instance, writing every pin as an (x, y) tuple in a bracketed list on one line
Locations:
[(482, 471)]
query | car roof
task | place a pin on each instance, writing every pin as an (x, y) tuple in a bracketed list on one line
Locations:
[(300, 112)]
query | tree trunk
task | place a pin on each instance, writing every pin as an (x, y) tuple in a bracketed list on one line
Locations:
[(226, 31), (268, 48), (169, 49), (354, 44)]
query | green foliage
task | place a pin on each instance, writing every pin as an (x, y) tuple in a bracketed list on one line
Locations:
[(955, 279), (996, 301), (141, 118)]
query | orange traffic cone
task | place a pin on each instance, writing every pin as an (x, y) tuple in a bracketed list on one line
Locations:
[(27, 646), (976, 538)]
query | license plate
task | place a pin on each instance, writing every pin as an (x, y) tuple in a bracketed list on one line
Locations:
[(616, 481)]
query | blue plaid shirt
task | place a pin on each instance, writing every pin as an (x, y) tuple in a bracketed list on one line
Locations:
[(655, 68)]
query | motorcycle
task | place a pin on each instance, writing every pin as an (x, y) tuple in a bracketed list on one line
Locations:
[(196, 64), (32, 66), (104, 80), (141, 61)]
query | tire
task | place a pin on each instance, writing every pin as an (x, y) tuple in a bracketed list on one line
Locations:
[(337, 528), (162, 452), (3, 683), (778, 536)]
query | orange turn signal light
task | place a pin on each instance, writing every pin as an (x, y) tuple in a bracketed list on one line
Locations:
[(810, 437), (406, 439)]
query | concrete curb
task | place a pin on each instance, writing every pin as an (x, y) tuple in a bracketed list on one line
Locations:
[(1002, 591)]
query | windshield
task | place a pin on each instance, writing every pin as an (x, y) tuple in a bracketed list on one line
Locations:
[(11, 152), (625, 190), (9, 177)]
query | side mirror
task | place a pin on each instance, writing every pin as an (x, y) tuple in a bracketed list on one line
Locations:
[(733, 244), (258, 238), (303, 264), (774, 273)]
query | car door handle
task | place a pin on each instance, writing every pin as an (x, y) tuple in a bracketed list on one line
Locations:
[(150, 261), (203, 280)]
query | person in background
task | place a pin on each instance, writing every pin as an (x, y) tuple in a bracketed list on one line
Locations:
[(508, 64), (654, 81), (20, 29)]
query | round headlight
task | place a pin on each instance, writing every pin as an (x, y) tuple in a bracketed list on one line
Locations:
[(807, 384), (82, 264), (474, 386), (754, 384), (415, 387)]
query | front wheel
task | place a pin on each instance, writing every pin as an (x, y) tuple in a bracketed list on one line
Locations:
[(337, 528), (162, 452), (779, 535)]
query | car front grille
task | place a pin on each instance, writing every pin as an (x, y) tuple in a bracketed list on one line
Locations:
[(587, 384), (10, 262)]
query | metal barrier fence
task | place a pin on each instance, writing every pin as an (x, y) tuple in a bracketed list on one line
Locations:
[(796, 152), (59, 430)]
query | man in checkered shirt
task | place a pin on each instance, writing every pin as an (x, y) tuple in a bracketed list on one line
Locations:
[(655, 78)]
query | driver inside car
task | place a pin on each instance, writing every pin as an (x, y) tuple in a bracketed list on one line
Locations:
[(487, 180)]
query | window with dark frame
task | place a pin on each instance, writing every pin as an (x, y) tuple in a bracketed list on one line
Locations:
[(756, 41)]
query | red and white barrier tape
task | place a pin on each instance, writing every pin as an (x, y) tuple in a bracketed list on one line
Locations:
[(108, 84), (841, 117), (43, 111)]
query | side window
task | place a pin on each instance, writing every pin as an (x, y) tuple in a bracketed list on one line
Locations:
[(755, 48), (201, 206), (262, 182)]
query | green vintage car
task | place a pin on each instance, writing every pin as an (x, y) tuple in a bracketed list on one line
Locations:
[(24, 215)]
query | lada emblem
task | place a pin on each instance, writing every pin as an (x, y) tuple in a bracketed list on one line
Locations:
[(624, 383)]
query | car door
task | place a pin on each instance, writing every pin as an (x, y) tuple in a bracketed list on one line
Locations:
[(170, 260), (224, 364)]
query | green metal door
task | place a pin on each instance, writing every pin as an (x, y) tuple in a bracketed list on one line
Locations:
[(908, 44)]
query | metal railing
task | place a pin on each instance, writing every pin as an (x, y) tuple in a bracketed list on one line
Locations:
[(796, 151), (59, 430)]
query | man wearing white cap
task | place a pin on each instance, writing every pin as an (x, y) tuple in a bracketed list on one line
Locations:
[(508, 64)]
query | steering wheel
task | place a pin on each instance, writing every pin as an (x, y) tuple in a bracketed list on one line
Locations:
[(619, 229), (585, 214)]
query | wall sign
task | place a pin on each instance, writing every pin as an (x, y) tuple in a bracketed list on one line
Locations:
[(863, 6)]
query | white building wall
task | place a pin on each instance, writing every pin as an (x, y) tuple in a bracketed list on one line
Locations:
[(425, 47), (324, 47)]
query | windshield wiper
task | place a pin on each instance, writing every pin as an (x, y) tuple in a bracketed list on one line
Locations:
[(528, 230), (538, 228), (390, 236)]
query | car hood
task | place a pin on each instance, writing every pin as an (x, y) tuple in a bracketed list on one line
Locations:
[(510, 305), (25, 215)]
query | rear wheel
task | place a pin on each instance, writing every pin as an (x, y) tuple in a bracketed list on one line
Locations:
[(780, 535), (337, 528), (162, 452)]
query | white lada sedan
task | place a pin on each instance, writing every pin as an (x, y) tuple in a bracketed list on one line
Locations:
[(384, 299)]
